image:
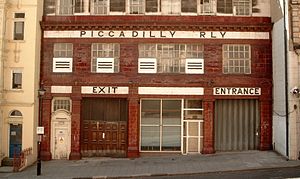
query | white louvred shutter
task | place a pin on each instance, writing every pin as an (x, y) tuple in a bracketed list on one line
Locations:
[(105, 65), (194, 66), (147, 65), (62, 65)]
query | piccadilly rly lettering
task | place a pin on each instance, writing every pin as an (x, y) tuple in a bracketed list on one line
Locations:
[(145, 34)]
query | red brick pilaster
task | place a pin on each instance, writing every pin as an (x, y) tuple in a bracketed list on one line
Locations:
[(75, 125), (46, 123), (265, 124), (133, 124), (208, 142)]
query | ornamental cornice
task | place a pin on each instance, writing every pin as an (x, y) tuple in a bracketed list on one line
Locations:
[(54, 27), (180, 23)]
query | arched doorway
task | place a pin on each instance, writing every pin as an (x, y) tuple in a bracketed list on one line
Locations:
[(15, 133)]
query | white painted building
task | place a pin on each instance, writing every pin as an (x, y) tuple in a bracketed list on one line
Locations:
[(20, 41), (286, 117)]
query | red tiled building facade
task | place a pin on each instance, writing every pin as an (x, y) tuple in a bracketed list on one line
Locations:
[(128, 78)]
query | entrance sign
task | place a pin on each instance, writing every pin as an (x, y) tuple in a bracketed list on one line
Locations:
[(237, 91), (156, 34), (104, 90)]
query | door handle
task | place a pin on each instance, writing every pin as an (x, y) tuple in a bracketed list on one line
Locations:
[(103, 135)]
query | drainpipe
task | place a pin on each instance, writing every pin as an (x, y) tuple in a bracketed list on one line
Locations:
[(286, 80)]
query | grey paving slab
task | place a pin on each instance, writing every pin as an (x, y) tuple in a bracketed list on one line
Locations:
[(155, 165)]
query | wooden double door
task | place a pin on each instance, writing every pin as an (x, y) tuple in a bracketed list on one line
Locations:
[(104, 128)]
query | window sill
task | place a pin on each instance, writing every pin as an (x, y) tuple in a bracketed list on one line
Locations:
[(17, 41), (15, 90)]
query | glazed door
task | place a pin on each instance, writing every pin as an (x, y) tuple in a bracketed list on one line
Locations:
[(193, 126), (192, 139), (104, 128), (15, 140)]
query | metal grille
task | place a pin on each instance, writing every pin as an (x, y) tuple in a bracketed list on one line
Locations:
[(236, 125), (61, 104)]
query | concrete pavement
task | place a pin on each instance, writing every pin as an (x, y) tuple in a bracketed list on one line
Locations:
[(155, 165)]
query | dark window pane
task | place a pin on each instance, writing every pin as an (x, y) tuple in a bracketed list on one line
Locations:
[(151, 6), (19, 31), (49, 7), (16, 113), (189, 6), (117, 5), (79, 6), (224, 6), (20, 15), (17, 81)]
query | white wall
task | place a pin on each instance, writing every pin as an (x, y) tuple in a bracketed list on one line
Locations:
[(279, 113), (279, 118), (264, 8), (293, 75)]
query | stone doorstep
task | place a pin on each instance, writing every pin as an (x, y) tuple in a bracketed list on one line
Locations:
[(7, 162), (6, 169)]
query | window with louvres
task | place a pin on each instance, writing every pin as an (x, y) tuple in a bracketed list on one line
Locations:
[(63, 58), (194, 66), (105, 58), (147, 65), (62, 65), (171, 58)]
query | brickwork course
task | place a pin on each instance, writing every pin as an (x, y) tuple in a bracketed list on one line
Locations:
[(295, 22)]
